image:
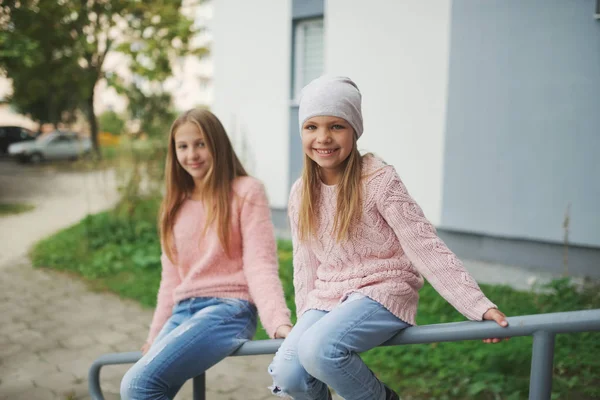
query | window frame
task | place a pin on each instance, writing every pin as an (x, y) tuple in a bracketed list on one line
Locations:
[(298, 71)]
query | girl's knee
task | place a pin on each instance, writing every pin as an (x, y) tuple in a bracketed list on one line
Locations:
[(128, 391), (138, 383), (288, 375), (319, 354), (313, 351)]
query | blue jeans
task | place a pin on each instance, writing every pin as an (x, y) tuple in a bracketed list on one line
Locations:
[(322, 349), (201, 332)]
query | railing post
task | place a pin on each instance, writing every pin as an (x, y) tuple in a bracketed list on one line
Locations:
[(200, 387), (542, 363)]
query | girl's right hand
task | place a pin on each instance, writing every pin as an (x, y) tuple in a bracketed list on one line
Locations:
[(145, 348), (282, 331)]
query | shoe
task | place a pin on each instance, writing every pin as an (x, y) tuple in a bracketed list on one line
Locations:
[(390, 394)]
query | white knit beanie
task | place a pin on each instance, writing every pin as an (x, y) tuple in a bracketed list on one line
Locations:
[(335, 96)]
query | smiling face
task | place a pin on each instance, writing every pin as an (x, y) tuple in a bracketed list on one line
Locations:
[(328, 141), (192, 151)]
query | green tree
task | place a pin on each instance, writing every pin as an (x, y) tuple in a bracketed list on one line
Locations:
[(79, 34), (44, 75), (152, 108), (110, 121)]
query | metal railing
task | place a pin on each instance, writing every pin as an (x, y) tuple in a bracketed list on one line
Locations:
[(543, 328)]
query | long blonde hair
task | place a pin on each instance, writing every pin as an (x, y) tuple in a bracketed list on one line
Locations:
[(217, 184), (349, 195)]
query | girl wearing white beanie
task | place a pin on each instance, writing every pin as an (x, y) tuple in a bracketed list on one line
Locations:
[(361, 249)]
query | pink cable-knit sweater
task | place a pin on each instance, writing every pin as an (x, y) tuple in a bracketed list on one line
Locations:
[(390, 248), (204, 270)]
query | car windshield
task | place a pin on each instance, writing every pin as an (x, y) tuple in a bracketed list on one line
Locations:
[(47, 137)]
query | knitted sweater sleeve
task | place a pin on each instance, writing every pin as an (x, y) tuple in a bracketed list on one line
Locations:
[(261, 267), (164, 303), (427, 252), (304, 260)]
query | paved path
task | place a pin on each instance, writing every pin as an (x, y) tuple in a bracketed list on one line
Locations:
[(52, 326), (61, 199)]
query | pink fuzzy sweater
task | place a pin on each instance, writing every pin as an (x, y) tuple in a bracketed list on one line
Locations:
[(392, 245), (204, 270)]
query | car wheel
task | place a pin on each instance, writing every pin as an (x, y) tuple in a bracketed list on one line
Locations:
[(36, 158)]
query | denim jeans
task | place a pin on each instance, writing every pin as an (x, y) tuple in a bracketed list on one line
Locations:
[(201, 332), (322, 350)]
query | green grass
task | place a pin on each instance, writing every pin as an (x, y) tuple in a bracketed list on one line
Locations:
[(14, 208), (120, 253)]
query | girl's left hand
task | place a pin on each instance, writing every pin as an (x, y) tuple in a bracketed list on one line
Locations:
[(145, 348), (494, 314)]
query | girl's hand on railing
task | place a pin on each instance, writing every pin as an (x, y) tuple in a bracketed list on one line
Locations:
[(494, 314), (145, 348), (282, 331)]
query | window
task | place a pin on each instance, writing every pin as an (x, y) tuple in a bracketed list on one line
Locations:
[(308, 53), (60, 139), (25, 133)]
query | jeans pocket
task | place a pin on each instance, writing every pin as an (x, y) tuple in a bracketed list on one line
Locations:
[(239, 304), (243, 311)]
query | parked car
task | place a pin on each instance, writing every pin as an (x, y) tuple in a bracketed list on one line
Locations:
[(13, 134), (55, 145)]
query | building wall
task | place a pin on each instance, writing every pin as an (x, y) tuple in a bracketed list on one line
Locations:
[(523, 136), (251, 55), (397, 53), (523, 122), (403, 84), (488, 111), (301, 10)]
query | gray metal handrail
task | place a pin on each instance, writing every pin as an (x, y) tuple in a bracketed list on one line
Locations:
[(543, 328)]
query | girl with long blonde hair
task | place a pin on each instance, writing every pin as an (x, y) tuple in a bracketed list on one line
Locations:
[(361, 246), (219, 262)]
